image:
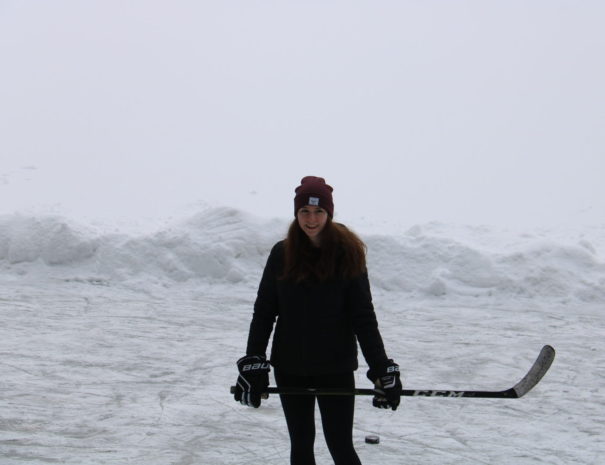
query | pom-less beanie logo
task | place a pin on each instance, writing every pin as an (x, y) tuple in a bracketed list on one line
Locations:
[(313, 201)]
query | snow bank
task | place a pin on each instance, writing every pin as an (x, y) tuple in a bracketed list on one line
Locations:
[(227, 245), (50, 240), (220, 244), (425, 263)]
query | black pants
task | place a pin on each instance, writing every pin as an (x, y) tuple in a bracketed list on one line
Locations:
[(336, 418)]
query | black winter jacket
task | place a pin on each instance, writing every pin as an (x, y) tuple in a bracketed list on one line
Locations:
[(318, 323)]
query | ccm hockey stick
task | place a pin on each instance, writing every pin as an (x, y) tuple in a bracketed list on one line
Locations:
[(533, 377)]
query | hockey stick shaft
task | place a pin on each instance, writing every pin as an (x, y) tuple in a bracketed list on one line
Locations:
[(533, 376), (374, 392)]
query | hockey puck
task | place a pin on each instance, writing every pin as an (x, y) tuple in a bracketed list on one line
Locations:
[(371, 439)]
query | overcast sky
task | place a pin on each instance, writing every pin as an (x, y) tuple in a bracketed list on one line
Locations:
[(477, 112)]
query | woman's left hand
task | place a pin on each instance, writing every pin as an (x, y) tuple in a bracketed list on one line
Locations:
[(387, 380)]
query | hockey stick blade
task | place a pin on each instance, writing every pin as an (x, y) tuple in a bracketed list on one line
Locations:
[(536, 372), (527, 383)]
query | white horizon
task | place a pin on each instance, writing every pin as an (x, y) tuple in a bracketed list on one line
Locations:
[(463, 113)]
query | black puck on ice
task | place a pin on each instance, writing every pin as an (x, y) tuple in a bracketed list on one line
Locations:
[(371, 439)]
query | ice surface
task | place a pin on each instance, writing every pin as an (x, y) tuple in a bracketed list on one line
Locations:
[(119, 348)]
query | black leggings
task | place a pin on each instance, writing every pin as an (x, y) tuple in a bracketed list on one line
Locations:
[(336, 418)]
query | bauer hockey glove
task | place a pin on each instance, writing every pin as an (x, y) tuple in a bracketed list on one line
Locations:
[(252, 381), (386, 379)]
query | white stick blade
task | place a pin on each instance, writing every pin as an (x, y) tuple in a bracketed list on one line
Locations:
[(536, 372)]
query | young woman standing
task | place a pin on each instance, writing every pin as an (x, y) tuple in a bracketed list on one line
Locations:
[(315, 290)]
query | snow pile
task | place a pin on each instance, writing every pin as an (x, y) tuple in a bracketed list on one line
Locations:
[(423, 262), (227, 245), (50, 240), (220, 244)]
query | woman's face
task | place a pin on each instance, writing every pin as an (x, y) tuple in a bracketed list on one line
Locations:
[(312, 221)]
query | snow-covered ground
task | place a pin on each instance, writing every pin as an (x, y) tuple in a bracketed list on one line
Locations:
[(119, 348)]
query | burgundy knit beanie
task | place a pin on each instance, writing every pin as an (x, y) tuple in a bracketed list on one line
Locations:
[(314, 191)]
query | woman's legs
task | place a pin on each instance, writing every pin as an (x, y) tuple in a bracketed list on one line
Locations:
[(300, 418), (336, 415)]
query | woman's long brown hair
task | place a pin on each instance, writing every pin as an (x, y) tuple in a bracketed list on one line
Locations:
[(342, 254)]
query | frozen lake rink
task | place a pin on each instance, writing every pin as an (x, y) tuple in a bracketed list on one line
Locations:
[(121, 349)]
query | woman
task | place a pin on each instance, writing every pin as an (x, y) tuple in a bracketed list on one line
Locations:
[(315, 285)]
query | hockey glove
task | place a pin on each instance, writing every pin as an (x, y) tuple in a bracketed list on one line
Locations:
[(386, 380), (252, 381)]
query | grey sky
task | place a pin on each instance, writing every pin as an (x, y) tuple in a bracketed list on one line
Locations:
[(457, 111)]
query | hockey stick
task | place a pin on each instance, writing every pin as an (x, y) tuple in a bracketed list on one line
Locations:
[(533, 377)]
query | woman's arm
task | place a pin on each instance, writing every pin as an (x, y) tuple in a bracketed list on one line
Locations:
[(265, 306), (365, 324)]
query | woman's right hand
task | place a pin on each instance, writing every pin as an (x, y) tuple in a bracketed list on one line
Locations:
[(252, 381)]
